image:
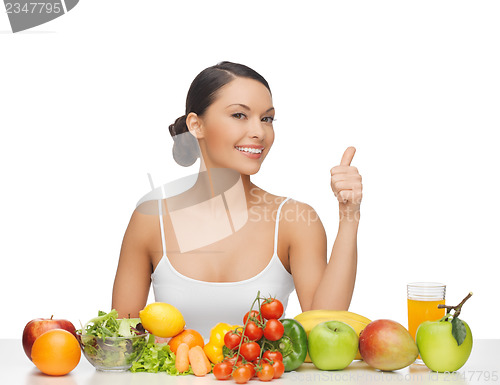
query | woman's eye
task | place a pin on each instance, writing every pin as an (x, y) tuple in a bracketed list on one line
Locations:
[(241, 115)]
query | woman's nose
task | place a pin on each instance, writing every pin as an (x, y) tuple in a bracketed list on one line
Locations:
[(257, 129)]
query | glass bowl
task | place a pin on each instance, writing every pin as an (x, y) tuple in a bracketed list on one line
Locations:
[(112, 353)]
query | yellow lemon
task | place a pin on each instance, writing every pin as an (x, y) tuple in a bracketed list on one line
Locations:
[(162, 319)]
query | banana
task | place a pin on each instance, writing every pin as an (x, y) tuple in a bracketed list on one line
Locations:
[(311, 318)]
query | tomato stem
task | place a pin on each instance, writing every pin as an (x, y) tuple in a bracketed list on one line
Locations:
[(238, 354), (260, 314)]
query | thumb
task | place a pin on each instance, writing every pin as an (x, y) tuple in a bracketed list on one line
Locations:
[(347, 157)]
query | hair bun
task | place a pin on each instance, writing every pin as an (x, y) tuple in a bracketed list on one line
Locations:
[(179, 126), (186, 148)]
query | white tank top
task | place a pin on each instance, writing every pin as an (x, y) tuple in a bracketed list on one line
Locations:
[(204, 304)]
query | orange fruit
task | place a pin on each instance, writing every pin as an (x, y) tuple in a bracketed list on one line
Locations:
[(189, 336), (56, 352)]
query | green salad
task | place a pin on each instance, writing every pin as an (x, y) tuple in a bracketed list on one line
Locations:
[(112, 343), (157, 358), (108, 325), (131, 350)]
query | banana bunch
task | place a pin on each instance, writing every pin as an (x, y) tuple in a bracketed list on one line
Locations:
[(311, 318)]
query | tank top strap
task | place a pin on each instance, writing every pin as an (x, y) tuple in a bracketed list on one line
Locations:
[(160, 212), (277, 225)]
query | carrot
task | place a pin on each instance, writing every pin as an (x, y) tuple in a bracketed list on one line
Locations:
[(207, 362), (182, 357), (197, 360)]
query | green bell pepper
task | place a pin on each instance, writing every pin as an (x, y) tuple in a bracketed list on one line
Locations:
[(293, 344)]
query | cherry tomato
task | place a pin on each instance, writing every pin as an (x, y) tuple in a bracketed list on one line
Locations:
[(274, 330), (222, 370), (273, 355), (233, 361), (253, 332), (251, 366), (242, 374), (266, 373), (253, 313), (256, 362), (273, 309), (279, 368), (250, 350), (232, 339)]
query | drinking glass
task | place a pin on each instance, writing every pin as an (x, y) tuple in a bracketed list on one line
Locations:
[(423, 301)]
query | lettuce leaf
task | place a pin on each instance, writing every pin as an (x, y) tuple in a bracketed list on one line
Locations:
[(157, 358), (104, 325), (126, 325), (107, 325)]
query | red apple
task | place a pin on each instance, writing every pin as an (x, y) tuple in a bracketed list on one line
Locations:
[(38, 326), (386, 345)]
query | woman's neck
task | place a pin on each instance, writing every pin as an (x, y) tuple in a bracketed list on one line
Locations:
[(214, 181)]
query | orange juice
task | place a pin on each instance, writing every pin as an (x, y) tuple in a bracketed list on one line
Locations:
[(420, 311)]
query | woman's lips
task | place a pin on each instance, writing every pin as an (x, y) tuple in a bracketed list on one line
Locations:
[(250, 155)]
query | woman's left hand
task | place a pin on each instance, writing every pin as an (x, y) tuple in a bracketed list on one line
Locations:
[(346, 184)]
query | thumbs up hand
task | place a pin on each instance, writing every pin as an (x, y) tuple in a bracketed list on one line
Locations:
[(346, 183)]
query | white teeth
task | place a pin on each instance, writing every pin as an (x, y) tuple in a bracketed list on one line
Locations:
[(251, 150)]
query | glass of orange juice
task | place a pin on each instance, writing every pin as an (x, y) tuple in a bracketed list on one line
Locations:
[(423, 301)]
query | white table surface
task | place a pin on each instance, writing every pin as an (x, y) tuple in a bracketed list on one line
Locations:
[(483, 367)]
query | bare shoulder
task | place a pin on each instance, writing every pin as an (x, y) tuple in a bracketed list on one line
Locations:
[(293, 211), (301, 224), (143, 222), (299, 213), (299, 221)]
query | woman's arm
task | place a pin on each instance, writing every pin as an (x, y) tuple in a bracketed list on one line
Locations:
[(306, 250), (133, 275), (320, 285), (337, 284)]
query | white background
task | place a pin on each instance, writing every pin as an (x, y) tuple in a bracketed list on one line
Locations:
[(86, 100)]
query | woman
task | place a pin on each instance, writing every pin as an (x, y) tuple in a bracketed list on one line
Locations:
[(219, 234)]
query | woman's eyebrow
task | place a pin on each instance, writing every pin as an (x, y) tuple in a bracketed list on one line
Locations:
[(248, 108)]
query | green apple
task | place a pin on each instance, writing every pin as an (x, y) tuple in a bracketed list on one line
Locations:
[(438, 347), (332, 345)]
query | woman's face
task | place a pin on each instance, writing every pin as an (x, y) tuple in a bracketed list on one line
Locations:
[(237, 129)]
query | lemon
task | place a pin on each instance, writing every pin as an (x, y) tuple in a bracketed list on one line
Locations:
[(162, 319)]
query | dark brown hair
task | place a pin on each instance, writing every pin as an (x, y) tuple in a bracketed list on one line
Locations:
[(202, 93)]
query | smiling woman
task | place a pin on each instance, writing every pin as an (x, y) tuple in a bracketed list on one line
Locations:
[(203, 94), (208, 249)]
